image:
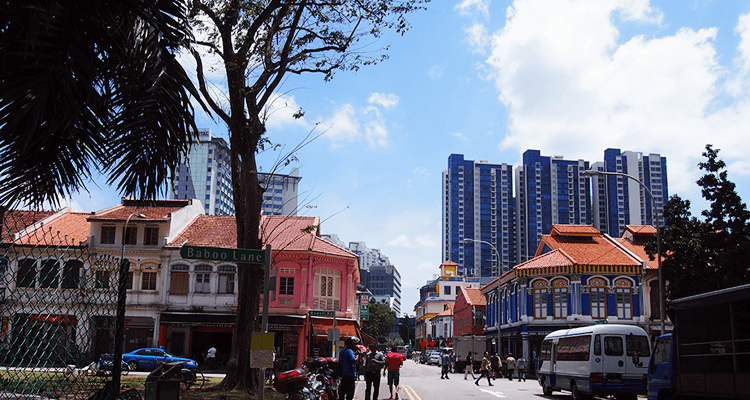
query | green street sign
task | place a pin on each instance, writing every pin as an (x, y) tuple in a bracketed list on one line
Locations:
[(321, 313), (219, 254)]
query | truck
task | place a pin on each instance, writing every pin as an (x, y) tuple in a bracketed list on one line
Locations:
[(707, 355), (462, 345)]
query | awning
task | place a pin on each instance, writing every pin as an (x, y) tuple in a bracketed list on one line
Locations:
[(346, 327)]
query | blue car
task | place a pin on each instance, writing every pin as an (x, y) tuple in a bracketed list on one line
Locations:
[(150, 358)]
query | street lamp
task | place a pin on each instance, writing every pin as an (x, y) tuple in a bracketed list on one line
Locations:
[(467, 240), (120, 323), (592, 173), (499, 272)]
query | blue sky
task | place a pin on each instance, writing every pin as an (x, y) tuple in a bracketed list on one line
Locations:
[(491, 79)]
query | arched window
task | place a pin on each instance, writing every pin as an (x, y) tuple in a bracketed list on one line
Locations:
[(179, 280), (149, 273), (624, 298), (327, 289), (71, 278), (26, 274), (598, 298), (226, 278), (203, 278), (49, 276), (540, 298), (560, 297)]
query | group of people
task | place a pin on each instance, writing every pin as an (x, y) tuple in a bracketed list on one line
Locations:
[(492, 367), (375, 364)]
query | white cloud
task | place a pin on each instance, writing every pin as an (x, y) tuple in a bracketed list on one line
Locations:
[(739, 84), (478, 38), (421, 171), (280, 113), (387, 101), (466, 7), (344, 126), (459, 135), (436, 71), (401, 241), (571, 89)]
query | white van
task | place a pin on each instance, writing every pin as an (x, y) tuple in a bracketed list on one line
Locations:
[(600, 360)]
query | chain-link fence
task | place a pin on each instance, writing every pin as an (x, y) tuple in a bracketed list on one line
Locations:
[(58, 305)]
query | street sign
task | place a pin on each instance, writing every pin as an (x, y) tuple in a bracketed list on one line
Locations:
[(321, 313), (334, 334), (220, 254)]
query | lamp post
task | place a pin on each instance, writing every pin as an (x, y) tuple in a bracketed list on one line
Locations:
[(592, 173), (499, 273), (120, 322)]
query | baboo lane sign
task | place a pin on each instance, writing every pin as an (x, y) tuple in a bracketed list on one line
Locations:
[(220, 254)]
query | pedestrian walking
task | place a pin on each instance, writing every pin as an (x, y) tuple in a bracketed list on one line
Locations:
[(485, 369), (469, 365), (374, 362), (393, 361), (495, 366), (211, 357), (453, 361), (521, 366), (511, 362), (446, 361), (348, 359)]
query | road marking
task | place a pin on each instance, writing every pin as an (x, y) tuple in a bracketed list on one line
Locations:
[(496, 394), (413, 395)]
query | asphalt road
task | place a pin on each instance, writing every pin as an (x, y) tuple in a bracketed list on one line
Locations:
[(422, 382)]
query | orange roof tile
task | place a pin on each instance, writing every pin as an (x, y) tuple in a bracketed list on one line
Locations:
[(283, 233), (474, 296), (575, 230), (64, 228), (155, 211), (640, 252), (15, 221), (593, 250), (643, 229), (555, 258), (208, 231)]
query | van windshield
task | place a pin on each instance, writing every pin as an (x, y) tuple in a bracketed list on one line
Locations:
[(637, 345)]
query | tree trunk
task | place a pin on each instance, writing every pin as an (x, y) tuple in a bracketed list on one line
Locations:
[(244, 134)]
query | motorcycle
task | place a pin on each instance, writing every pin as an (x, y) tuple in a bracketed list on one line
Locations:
[(315, 381)]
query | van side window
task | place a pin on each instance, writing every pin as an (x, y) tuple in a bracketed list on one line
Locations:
[(598, 345), (635, 344), (546, 350), (574, 348), (613, 346)]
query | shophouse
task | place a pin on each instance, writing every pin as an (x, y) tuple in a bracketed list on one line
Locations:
[(468, 314)]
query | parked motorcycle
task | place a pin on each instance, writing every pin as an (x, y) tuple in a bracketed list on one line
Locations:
[(317, 380)]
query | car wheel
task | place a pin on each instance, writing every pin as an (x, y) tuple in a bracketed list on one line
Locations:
[(545, 387), (577, 395), (133, 366)]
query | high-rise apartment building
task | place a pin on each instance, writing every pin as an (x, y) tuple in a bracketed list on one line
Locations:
[(206, 175), (549, 190), (478, 204), (619, 201), (280, 196)]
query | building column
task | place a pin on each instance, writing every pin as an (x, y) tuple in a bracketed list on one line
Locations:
[(526, 347), (522, 297), (575, 294)]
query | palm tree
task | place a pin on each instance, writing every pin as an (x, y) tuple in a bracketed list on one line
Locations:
[(91, 86)]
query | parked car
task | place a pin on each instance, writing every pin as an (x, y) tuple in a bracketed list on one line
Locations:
[(150, 358), (434, 358)]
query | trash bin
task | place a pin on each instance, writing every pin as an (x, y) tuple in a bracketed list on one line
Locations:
[(163, 383)]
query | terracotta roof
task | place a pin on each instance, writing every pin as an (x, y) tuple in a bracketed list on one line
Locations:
[(283, 233), (555, 258), (474, 296), (62, 229), (575, 230), (208, 231), (449, 262), (448, 311), (640, 252), (643, 229), (585, 249), (156, 210), (15, 221)]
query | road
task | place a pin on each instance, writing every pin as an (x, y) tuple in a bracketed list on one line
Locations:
[(422, 382)]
